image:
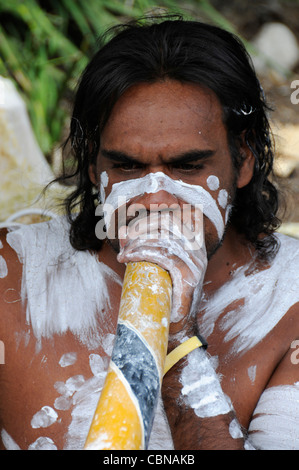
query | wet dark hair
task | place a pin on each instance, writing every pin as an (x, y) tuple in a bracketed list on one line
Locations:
[(190, 52)]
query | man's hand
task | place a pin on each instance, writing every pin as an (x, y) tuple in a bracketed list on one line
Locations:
[(194, 402), (163, 238)]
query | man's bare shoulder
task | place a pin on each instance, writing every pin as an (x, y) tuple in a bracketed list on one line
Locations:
[(277, 274), (255, 299), (10, 266), (10, 289), (284, 267)]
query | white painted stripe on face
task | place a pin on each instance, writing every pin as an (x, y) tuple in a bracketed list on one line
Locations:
[(155, 182)]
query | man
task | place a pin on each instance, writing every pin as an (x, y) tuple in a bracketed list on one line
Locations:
[(166, 113)]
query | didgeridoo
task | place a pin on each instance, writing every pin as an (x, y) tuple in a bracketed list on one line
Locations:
[(126, 408)]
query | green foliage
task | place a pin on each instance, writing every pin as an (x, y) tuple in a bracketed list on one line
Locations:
[(44, 46)]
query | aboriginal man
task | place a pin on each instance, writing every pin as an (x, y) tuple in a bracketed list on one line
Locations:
[(171, 113)]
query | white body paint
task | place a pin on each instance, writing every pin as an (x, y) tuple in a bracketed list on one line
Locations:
[(252, 373), (235, 430), (275, 423), (68, 359), (201, 387), (83, 397), (43, 443), (267, 296), (52, 268), (44, 418), (8, 441), (64, 289), (155, 182)]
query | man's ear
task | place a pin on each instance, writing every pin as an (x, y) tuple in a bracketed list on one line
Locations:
[(247, 166), (92, 174)]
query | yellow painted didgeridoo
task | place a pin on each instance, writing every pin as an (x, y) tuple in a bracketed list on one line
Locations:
[(126, 408)]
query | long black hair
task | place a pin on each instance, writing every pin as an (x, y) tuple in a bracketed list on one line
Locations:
[(190, 52)]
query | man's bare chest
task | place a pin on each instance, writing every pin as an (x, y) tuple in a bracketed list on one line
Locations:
[(48, 397)]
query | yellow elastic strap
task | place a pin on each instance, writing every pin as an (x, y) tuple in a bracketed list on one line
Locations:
[(182, 350)]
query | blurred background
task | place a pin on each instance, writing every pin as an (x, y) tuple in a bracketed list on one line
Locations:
[(44, 46)]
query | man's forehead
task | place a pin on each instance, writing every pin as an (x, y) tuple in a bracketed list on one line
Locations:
[(170, 111), (147, 98)]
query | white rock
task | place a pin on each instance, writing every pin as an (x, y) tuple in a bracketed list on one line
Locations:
[(278, 43)]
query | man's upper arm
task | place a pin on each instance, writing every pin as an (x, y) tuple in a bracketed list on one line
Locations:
[(275, 421), (10, 287)]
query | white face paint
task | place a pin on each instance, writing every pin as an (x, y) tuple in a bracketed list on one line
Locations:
[(155, 182), (213, 183), (223, 198), (104, 179), (227, 212)]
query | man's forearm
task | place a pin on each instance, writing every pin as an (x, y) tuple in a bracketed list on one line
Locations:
[(199, 414)]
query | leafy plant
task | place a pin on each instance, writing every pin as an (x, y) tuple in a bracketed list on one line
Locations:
[(44, 46)]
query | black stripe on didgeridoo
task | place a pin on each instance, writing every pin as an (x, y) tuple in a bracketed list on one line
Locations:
[(138, 366)]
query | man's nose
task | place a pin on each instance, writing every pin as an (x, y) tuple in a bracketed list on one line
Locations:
[(159, 200)]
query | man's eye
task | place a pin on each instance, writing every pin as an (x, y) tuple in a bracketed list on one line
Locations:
[(188, 167), (126, 166)]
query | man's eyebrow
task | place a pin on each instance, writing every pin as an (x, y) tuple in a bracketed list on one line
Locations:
[(118, 156), (191, 156), (185, 157)]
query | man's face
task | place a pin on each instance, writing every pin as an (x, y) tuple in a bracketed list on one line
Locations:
[(175, 129)]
